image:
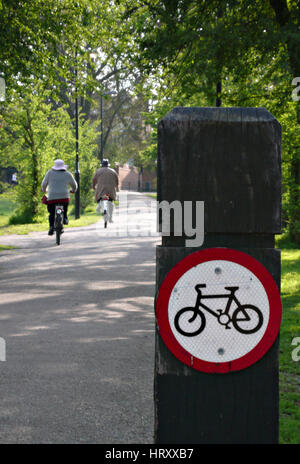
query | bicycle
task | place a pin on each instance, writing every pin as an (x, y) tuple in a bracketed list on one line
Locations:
[(58, 222), (243, 313), (105, 204)]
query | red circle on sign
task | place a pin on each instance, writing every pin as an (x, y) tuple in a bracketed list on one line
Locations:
[(249, 263)]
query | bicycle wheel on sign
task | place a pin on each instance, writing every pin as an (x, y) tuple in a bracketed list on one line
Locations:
[(189, 322), (247, 319)]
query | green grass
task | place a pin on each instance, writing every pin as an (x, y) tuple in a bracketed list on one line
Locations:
[(7, 206), (6, 247), (152, 195), (290, 329), (24, 229)]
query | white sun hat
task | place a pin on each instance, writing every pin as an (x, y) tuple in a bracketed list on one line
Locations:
[(59, 164)]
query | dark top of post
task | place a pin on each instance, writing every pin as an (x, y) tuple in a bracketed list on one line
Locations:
[(230, 158)]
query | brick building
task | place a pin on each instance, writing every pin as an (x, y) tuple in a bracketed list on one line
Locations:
[(133, 178)]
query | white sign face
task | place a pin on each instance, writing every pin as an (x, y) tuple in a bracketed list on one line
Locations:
[(218, 311)]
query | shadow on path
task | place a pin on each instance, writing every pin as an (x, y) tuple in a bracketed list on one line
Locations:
[(78, 321)]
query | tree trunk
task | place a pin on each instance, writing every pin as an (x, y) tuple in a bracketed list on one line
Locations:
[(35, 184), (35, 176)]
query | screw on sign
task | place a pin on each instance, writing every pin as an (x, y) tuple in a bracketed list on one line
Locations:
[(218, 310)]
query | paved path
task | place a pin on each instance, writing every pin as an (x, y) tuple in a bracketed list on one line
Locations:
[(78, 321)]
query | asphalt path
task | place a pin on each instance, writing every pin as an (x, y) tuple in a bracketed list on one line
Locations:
[(78, 324)]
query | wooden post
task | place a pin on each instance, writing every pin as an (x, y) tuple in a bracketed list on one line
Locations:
[(230, 159)]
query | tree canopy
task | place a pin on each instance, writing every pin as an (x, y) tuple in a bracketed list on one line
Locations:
[(249, 51), (142, 57)]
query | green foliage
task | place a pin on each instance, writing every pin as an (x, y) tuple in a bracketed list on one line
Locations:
[(88, 161), (183, 47), (2, 187), (49, 39), (32, 138), (252, 48), (23, 146), (7, 205), (127, 128)]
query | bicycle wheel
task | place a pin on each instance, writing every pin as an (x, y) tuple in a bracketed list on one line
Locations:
[(189, 325), (105, 218), (247, 319), (58, 236)]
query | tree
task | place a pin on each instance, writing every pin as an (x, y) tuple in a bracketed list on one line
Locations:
[(48, 40), (237, 43), (32, 137), (23, 140)]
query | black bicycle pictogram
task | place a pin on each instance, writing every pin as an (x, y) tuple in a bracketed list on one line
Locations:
[(246, 318)]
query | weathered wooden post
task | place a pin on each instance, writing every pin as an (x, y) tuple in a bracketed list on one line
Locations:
[(229, 158)]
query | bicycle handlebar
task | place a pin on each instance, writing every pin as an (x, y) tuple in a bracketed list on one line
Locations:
[(200, 286)]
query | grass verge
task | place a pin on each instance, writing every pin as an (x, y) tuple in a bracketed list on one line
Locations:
[(152, 195), (7, 207), (289, 356), (24, 229), (6, 247)]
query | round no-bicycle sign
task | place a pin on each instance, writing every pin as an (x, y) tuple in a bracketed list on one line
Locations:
[(218, 310)]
